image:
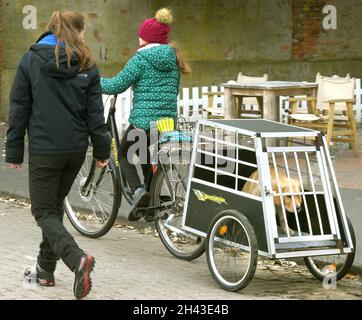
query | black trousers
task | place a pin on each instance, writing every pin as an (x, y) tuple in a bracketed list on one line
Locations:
[(129, 170), (50, 179)]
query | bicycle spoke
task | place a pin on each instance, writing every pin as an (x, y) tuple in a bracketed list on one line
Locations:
[(106, 193), (105, 204), (104, 181), (100, 206), (94, 213)]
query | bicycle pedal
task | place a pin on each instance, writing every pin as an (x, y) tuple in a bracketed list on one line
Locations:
[(140, 212), (149, 218)]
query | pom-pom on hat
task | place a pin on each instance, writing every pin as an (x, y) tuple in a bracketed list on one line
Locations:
[(155, 30)]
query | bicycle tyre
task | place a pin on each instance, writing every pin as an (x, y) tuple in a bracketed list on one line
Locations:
[(211, 250), (168, 242), (311, 262)]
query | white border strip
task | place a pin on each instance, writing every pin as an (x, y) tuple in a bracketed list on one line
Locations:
[(288, 134), (228, 158), (239, 193), (305, 239), (237, 146), (310, 253), (291, 149), (225, 173)]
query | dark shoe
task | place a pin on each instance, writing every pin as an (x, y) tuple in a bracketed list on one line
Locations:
[(83, 282), (37, 274), (140, 199), (134, 215), (150, 217)]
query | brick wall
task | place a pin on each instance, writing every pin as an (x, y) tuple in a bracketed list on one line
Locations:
[(307, 28), (284, 38)]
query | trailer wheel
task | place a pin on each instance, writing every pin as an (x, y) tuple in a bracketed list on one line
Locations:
[(334, 265), (231, 250)]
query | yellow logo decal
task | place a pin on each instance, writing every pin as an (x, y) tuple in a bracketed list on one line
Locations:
[(114, 150), (202, 196)]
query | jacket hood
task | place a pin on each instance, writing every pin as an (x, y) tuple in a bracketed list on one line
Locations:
[(162, 57), (49, 65)]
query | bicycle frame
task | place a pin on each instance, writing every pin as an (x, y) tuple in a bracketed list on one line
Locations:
[(115, 147), (112, 128)]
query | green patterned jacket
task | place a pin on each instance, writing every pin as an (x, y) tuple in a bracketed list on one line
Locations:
[(154, 74)]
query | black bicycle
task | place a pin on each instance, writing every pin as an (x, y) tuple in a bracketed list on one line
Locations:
[(93, 203)]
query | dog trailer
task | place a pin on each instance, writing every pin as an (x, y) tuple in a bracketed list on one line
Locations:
[(291, 208)]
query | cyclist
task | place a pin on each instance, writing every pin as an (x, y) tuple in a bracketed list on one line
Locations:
[(154, 72)]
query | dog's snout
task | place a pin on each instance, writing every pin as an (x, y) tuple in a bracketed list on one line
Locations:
[(299, 208)]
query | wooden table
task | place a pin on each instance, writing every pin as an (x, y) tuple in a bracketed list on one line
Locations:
[(267, 94)]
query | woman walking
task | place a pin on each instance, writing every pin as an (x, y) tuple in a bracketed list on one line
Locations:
[(56, 98)]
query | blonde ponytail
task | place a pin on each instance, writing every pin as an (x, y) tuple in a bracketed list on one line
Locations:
[(181, 60), (66, 27)]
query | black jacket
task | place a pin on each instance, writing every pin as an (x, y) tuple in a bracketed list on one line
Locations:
[(59, 108)]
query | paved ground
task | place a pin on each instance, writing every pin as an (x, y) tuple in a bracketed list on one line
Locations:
[(347, 167), (133, 265)]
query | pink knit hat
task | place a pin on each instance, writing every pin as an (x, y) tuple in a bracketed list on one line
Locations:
[(156, 30)]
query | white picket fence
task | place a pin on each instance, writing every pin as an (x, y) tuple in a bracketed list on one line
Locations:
[(191, 102)]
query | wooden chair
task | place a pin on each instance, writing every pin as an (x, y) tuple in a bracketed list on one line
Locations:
[(213, 111), (331, 111), (243, 102)]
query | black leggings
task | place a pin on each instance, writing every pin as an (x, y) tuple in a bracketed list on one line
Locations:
[(129, 170), (50, 179)]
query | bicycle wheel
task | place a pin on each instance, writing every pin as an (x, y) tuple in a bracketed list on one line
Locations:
[(333, 265), (231, 250), (169, 186), (92, 212)]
